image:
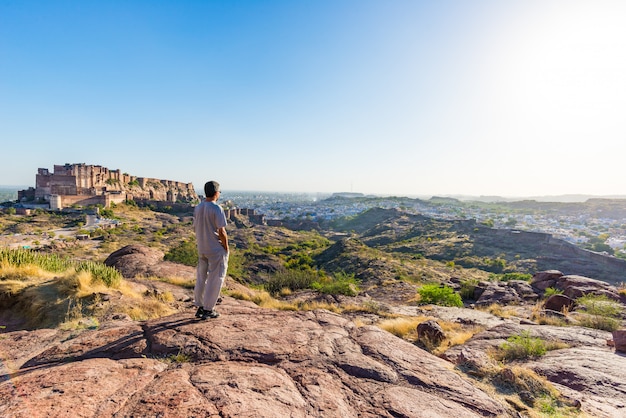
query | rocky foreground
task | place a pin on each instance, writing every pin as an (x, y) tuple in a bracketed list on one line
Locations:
[(258, 362), (249, 362)]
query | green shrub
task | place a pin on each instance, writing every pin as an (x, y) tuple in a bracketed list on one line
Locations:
[(55, 264), (505, 277), (22, 257), (108, 213), (468, 288), (340, 284), (601, 312), (523, 346), (552, 291), (102, 273), (290, 279), (185, 253), (300, 261), (439, 295)]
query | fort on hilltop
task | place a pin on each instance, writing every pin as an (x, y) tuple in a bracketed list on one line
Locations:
[(84, 185)]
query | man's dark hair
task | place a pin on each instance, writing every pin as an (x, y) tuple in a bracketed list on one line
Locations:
[(210, 188)]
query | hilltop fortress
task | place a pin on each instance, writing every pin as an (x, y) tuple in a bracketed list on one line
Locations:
[(83, 184)]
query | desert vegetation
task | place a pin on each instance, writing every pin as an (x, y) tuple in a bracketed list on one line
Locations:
[(48, 290)]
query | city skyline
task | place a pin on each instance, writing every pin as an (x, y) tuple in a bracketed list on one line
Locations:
[(520, 98)]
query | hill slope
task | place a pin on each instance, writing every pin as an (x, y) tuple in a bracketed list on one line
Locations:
[(469, 244)]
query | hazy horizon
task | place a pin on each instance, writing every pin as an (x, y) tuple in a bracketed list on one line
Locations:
[(408, 98), (546, 198)]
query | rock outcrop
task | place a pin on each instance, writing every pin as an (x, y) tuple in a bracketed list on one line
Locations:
[(249, 362), (573, 286), (141, 261), (588, 371)]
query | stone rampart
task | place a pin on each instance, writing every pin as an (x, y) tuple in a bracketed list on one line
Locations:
[(82, 183)]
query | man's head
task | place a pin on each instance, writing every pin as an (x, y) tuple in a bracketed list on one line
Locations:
[(211, 188)]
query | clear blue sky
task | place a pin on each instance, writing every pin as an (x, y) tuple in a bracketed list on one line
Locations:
[(511, 98)]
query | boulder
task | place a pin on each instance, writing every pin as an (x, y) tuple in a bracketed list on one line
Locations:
[(133, 260), (619, 340), (545, 279), (500, 294), (138, 260), (557, 302), (524, 290), (479, 289), (576, 286), (430, 330)]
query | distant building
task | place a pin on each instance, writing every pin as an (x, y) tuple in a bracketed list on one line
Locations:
[(84, 185)]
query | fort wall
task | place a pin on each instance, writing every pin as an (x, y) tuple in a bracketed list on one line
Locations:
[(83, 184)]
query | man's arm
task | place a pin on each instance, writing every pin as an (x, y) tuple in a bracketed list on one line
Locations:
[(223, 237)]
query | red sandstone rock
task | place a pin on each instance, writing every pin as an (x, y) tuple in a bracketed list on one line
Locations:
[(588, 371), (431, 331), (619, 340), (558, 302), (545, 279), (248, 362), (141, 261), (576, 286)]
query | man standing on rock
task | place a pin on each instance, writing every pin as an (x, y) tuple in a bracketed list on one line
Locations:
[(209, 223)]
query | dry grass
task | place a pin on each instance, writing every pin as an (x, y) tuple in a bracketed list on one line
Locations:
[(529, 380), (71, 299), (372, 307), (507, 383), (541, 318), (406, 328), (143, 309), (359, 322), (285, 291), (22, 273), (262, 299), (499, 310), (403, 327), (460, 337), (176, 281), (313, 306)]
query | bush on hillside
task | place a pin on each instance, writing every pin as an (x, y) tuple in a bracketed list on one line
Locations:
[(522, 346), (340, 284), (55, 264), (505, 277), (437, 294), (600, 312), (468, 287), (184, 253), (290, 279)]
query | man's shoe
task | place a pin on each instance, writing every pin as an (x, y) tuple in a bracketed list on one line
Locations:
[(210, 314), (200, 312), (219, 300)]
